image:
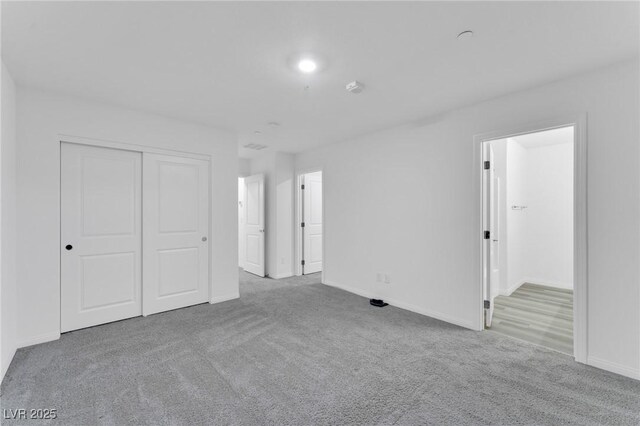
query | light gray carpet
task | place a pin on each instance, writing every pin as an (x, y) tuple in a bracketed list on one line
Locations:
[(298, 352), (537, 314)]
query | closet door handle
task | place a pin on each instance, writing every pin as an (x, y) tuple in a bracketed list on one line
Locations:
[(204, 238), (68, 247)]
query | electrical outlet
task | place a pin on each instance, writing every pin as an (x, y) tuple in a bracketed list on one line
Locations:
[(387, 279)]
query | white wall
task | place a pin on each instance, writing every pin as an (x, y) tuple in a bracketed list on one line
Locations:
[(266, 165), (244, 167), (41, 118), (277, 168), (8, 284), (549, 215), (537, 242), (284, 223), (403, 201)]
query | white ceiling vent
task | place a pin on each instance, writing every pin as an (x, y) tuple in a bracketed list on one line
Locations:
[(255, 146), (355, 87)]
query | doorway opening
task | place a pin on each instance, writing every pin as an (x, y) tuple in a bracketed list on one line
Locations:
[(533, 236), (309, 229)]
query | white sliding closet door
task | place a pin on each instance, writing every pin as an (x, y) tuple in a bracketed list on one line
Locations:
[(176, 232), (100, 207)]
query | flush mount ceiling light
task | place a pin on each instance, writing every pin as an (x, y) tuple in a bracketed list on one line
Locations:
[(465, 35), (307, 65)]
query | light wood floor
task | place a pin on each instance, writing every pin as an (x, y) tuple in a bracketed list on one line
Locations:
[(537, 314)]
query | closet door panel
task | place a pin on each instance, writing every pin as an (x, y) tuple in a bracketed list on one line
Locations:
[(100, 258), (176, 232)]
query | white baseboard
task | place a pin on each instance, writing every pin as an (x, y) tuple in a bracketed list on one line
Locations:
[(557, 284), (614, 367), (406, 306), (432, 314), (285, 275), (516, 286), (511, 289), (41, 338), (6, 367), (353, 290), (220, 299)]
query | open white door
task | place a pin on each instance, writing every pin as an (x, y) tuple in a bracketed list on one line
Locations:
[(312, 218), (100, 207), (176, 232), (490, 222), (494, 229), (254, 225)]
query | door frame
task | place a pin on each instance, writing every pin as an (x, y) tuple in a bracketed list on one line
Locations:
[(78, 140), (580, 277), (298, 242)]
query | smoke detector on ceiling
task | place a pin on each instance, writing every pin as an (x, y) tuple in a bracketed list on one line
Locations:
[(355, 87), (255, 146)]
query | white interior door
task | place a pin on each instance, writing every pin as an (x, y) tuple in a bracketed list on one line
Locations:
[(312, 231), (100, 207), (254, 225), (176, 232), (494, 228), (490, 227)]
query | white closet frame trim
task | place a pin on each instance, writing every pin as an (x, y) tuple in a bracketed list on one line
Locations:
[(131, 147)]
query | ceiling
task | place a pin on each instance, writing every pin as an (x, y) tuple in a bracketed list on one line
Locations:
[(227, 64), (545, 138)]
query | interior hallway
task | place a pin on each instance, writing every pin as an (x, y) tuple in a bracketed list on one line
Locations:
[(537, 314), (295, 351)]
